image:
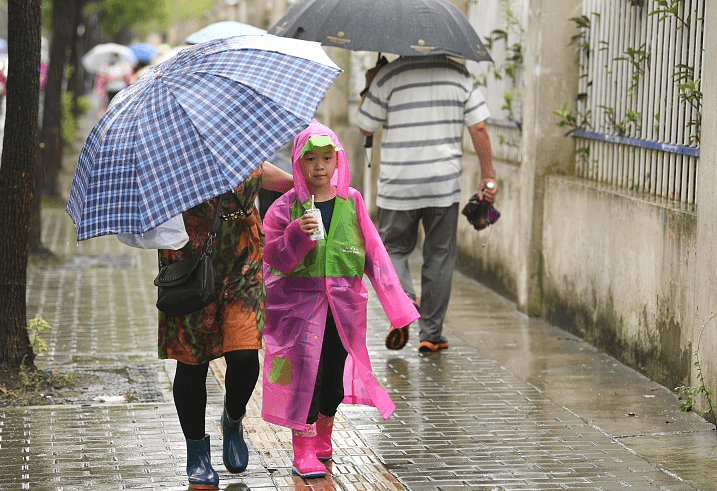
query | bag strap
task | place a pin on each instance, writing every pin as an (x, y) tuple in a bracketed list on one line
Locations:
[(215, 225)]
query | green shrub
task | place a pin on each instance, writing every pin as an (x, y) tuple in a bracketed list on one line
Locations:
[(83, 104), (69, 123)]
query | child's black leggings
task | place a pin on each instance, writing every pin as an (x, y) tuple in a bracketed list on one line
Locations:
[(329, 388), (190, 390)]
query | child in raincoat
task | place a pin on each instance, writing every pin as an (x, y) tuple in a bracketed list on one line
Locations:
[(315, 330)]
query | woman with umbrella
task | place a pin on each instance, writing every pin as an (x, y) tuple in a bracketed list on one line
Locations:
[(229, 327), (183, 138)]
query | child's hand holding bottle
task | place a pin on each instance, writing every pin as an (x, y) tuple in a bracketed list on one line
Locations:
[(309, 223)]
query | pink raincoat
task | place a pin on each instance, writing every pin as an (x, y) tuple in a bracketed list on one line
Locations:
[(299, 292)]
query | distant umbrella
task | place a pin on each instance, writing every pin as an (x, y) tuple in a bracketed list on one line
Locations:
[(223, 29), (144, 52), (102, 54), (164, 54)]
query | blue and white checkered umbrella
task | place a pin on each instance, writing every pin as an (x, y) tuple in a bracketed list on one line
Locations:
[(193, 128)]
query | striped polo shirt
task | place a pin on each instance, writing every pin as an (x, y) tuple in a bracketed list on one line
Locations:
[(423, 102)]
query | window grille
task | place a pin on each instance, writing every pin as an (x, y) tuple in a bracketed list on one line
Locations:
[(639, 129), (501, 26)]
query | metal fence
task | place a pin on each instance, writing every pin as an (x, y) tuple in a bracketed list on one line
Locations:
[(501, 25), (638, 110), (637, 116)]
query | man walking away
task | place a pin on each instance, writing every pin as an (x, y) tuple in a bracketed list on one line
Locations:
[(423, 102)]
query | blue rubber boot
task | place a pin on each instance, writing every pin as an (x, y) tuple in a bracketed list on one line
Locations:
[(199, 465), (235, 454)]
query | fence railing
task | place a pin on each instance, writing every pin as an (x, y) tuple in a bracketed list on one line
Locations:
[(501, 25), (639, 104)]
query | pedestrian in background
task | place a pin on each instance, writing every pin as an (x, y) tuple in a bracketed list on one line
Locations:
[(315, 335), (423, 102), (3, 89), (229, 327), (114, 76)]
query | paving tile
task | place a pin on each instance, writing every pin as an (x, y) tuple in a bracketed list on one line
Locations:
[(462, 420)]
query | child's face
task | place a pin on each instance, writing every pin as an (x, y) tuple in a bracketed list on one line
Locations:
[(319, 165)]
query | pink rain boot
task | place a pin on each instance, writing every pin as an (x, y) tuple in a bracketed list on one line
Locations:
[(324, 427), (306, 464)]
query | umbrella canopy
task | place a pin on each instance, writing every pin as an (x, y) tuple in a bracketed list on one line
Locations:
[(144, 52), (408, 28), (193, 128), (223, 29), (103, 54)]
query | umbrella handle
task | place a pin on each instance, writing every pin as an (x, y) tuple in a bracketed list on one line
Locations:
[(367, 144), (368, 153)]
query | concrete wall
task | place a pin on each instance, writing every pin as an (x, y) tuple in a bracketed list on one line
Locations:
[(618, 271), (705, 287), (491, 255)]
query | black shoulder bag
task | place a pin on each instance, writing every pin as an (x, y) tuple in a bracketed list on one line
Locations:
[(187, 285)]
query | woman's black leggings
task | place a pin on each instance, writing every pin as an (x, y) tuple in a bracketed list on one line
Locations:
[(190, 390)]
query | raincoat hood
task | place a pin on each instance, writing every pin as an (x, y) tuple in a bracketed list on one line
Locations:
[(341, 177)]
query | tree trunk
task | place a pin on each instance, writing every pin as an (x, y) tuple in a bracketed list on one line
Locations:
[(17, 169), (34, 230), (51, 136), (76, 82)]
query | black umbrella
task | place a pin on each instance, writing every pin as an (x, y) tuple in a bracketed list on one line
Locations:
[(402, 27)]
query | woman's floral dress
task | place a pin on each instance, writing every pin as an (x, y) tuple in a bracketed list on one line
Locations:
[(235, 320)]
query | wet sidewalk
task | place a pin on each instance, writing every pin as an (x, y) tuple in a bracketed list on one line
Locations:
[(513, 404)]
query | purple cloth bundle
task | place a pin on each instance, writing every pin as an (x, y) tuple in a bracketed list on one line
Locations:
[(480, 213)]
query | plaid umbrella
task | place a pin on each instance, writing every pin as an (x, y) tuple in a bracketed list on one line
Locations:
[(193, 128)]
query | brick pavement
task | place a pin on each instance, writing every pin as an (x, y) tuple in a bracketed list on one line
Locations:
[(472, 417), (463, 421)]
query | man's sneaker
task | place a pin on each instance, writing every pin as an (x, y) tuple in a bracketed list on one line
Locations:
[(427, 346), (397, 338)]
